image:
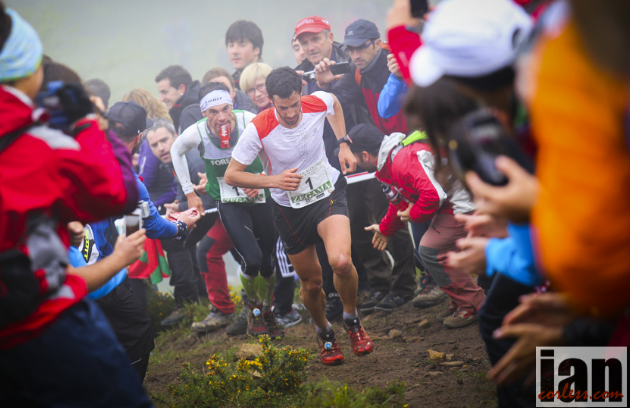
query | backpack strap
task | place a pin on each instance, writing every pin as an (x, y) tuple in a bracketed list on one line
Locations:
[(415, 137), (8, 139)]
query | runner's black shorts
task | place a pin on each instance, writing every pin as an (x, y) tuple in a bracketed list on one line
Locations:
[(298, 226)]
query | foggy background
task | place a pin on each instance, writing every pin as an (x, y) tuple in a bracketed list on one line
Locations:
[(127, 43)]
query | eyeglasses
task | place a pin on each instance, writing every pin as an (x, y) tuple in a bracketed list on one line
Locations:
[(260, 88), (360, 47)]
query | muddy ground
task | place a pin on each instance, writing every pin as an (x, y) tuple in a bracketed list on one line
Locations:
[(404, 358)]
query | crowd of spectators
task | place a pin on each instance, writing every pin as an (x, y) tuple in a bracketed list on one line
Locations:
[(529, 241)]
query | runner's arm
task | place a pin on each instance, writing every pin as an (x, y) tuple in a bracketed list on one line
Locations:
[(182, 145), (235, 175), (346, 158)]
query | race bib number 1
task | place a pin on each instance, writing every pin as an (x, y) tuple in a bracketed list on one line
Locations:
[(231, 194), (315, 186)]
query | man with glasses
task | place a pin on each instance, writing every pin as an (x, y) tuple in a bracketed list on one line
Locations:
[(391, 287)]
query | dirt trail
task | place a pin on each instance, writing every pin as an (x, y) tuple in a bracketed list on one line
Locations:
[(404, 358)]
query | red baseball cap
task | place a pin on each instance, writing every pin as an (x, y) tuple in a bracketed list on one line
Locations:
[(312, 24)]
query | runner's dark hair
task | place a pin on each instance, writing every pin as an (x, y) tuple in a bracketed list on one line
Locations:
[(283, 82), (176, 74), (212, 86), (246, 30)]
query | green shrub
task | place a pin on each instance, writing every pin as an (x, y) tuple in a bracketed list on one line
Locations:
[(160, 305), (333, 396), (273, 379)]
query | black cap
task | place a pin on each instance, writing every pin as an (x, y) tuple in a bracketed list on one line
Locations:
[(359, 32), (132, 116), (365, 138)]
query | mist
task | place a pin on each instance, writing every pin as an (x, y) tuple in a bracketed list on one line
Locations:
[(127, 43)]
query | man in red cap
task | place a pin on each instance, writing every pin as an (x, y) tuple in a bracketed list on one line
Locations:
[(317, 41)]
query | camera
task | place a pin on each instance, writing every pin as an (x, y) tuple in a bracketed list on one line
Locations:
[(65, 103), (337, 69), (477, 140)]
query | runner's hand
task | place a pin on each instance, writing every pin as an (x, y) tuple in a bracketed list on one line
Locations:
[(404, 215), (472, 257), (514, 200), (129, 249), (201, 187), (346, 159), (288, 180), (195, 202), (393, 66), (251, 192), (323, 75), (379, 240)]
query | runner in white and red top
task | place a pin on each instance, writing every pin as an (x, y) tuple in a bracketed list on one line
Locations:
[(309, 196)]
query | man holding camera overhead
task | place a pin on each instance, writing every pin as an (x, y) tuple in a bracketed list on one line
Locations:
[(391, 287)]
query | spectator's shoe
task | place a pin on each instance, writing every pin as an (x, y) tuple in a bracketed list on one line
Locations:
[(255, 321), (430, 295), (330, 352), (174, 318), (273, 328), (240, 324), (459, 319), (334, 307), (361, 342), (426, 280), (392, 302), (374, 299), (215, 320), (290, 319), (450, 310)]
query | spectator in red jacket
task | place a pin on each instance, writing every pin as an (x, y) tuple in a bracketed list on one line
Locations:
[(45, 324), (406, 165)]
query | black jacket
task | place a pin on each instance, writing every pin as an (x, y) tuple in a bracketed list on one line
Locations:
[(351, 111), (186, 110), (243, 102), (367, 90)]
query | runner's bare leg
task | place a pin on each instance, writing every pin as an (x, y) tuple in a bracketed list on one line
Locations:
[(309, 271), (335, 231)]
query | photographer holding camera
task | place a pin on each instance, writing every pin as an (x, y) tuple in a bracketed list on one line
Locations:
[(45, 323)]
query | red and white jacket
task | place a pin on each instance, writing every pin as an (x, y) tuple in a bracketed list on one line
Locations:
[(411, 169), (48, 175)]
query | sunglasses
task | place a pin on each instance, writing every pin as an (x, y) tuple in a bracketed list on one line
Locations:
[(360, 47)]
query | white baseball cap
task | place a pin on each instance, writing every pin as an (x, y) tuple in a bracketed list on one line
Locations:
[(469, 38)]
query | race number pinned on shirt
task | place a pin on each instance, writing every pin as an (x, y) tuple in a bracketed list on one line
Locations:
[(230, 194), (315, 186)]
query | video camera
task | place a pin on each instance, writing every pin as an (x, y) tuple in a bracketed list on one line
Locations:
[(337, 69)]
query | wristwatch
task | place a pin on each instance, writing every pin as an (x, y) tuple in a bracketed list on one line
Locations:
[(345, 139)]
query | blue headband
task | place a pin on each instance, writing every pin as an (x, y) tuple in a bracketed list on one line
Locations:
[(22, 52)]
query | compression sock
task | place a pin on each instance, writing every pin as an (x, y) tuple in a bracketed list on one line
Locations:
[(350, 315), (265, 290), (250, 285), (326, 330)]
